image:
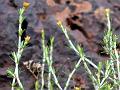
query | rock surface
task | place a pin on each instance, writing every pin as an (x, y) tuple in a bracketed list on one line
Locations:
[(84, 20)]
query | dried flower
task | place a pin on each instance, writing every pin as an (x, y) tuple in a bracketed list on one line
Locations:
[(26, 5)]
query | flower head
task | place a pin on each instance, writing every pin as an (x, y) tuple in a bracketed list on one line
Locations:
[(26, 5), (59, 23), (107, 11), (77, 88), (27, 39)]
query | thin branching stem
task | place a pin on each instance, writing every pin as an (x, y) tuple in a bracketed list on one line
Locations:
[(50, 63), (71, 74), (18, 54), (43, 63)]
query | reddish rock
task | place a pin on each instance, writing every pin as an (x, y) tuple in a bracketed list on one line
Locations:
[(50, 3), (63, 15), (78, 36), (83, 7)]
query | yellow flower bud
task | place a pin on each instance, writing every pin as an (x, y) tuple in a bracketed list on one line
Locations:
[(107, 11), (27, 39), (77, 88), (59, 23), (26, 5)]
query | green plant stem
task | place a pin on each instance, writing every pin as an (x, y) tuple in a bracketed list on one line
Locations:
[(18, 56), (70, 42), (74, 48), (13, 83), (42, 74), (71, 74), (53, 73), (37, 85), (49, 81), (50, 63), (47, 55), (90, 73), (43, 63), (107, 73), (16, 78), (118, 65), (56, 80), (110, 38)]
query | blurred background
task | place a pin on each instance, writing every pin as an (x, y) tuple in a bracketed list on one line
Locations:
[(85, 21)]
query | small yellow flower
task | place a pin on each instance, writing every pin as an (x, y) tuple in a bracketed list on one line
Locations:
[(77, 88), (27, 39), (107, 11), (26, 5), (59, 23)]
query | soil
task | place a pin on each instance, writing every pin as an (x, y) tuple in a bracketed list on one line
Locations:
[(85, 22)]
